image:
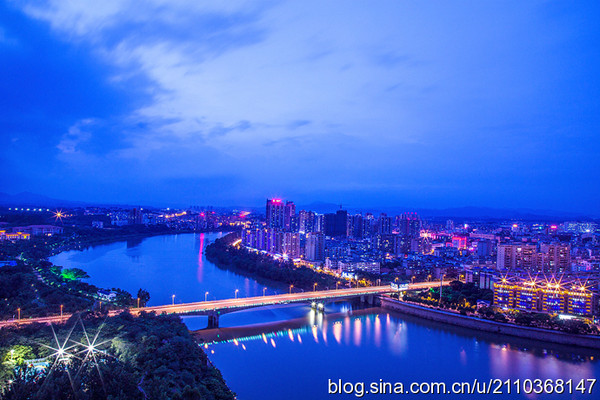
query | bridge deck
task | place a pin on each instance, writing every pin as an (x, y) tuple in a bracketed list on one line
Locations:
[(206, 307)]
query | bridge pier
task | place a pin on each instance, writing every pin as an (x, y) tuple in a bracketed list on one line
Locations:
[(368, 299), (213, 320)]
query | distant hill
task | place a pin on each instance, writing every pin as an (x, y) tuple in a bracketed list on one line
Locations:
[(28, 199)]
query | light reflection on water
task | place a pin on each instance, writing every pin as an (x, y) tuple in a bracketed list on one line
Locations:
[(342, 343), (382, 345)]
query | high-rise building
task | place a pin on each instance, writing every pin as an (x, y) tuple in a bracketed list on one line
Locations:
[(289, 216), (306, 221), (552, 257), (410, 224), (135, 216), (517, 255), (315, 247), (336, 225), (319, 223), (290, 244), (356, 226), (555, 257), (275, 214), (384, 224), (368, 223), (484, 248)]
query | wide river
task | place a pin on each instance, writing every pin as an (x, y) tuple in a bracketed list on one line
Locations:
[(291, 352)]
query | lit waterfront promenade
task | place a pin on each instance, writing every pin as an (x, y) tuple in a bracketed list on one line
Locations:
[(230, 305)]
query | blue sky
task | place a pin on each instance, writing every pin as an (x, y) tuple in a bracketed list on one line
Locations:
[(387, 103)]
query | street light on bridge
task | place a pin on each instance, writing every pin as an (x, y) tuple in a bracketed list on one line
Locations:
[(19, 314), (264, 290), (336, 285), (441, 285), (138, 303), (315, 287), (205, 296), (236, 292), (173, 299), (291, 287), (61, 312)]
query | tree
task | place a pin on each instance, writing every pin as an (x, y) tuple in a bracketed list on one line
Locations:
[(74, 274), (144, 297)]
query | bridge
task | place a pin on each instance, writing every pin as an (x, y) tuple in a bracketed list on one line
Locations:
[(214, 308)]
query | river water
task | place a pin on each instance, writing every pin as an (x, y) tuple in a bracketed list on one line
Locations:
[(292, 352)]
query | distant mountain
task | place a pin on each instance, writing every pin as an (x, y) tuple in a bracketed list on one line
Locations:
[(457, 212), (28, 199)]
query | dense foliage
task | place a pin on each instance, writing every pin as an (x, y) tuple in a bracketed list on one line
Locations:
[(457, 295), (224, 255), (146, 357), (21, 288)]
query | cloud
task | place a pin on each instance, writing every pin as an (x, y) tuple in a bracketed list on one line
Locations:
[(311, 95), (76, 135)]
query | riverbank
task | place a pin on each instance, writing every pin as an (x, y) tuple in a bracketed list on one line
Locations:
[(447, 317), (119, 237)]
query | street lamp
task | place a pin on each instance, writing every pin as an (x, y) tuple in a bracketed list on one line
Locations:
[(205, 296), (173, 299), (138, 302), (291, 287), (413, 279), (264, 290), (19, 313), (315, 287), (236, 292), (378, 281), (61, 312), (429, 278), (336, 285)]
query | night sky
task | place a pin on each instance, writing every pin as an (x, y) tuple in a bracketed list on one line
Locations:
[(387, 103)]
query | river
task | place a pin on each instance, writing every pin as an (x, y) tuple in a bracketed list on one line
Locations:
[(301, 349)]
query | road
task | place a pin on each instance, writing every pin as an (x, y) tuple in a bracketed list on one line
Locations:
[(228, 305)]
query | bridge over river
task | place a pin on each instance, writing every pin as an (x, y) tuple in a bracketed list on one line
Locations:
[(214, 308)]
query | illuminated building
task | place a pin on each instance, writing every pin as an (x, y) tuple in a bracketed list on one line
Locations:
[(552, 257), (384, 224), (504, 293), (14, 235), (39, 230), (459, 242), (527, 295), (289, 216), (549, 296), (520, 255), (290, 244), (135, 216), (306, 221), (555, 257), (579, 300), (315, 247), (553, 298), (409, 224), (275, 214)]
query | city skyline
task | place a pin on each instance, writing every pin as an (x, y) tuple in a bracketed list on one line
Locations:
[(410, 105)]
